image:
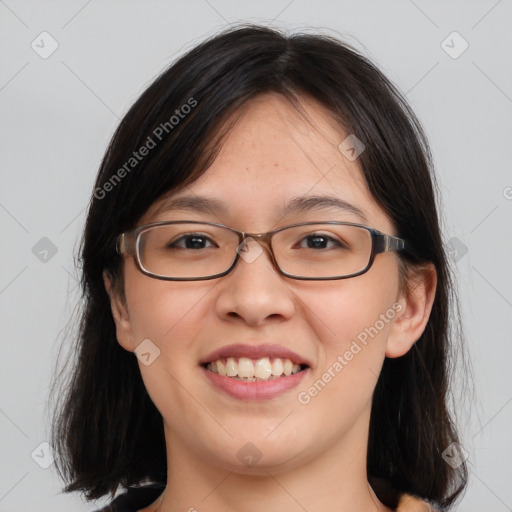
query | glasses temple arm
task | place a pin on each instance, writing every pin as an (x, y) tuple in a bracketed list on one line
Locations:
[(121, 244), (383, 243)]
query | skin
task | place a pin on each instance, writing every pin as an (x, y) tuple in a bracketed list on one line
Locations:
[(313, 456)]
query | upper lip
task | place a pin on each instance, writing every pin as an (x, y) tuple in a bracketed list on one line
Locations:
[(255, 352)]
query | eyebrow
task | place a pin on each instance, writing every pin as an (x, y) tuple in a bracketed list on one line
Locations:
[(299, 204), (310, 203)]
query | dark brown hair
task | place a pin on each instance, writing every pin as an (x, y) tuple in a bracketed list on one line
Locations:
[(106, 431)]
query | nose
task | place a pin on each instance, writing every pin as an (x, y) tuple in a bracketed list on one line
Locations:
[(254, 291)]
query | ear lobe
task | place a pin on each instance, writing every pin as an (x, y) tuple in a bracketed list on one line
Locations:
[(417, 303), (120, 315)]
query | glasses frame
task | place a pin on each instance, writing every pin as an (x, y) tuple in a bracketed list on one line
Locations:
[(128, 243)]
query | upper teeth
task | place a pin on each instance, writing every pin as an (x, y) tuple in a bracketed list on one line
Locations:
[(245, 368)]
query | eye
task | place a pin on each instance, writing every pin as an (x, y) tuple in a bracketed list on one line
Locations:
[(192, 241), (319, 241)]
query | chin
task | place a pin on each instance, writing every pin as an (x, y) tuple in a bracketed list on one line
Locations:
[(257, 458)]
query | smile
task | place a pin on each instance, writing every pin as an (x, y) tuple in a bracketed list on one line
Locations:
[(254, 372), (250, 370)]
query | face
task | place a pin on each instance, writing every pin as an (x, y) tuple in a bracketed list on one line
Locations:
[(339, 331)]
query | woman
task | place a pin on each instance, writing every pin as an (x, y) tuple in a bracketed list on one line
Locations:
[(266, 293)]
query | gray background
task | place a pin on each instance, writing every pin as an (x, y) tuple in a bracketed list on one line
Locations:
[(58, 113)]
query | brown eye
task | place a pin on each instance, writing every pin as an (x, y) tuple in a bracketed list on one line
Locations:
[(192, 241), (319, 241)]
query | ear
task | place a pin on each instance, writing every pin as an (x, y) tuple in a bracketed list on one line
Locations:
[(414, 311), (120, 314)]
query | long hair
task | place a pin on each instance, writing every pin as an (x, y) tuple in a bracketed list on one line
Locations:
[(106, 431)]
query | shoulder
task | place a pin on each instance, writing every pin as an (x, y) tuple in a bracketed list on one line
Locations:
[(135, 498), (408, 503)]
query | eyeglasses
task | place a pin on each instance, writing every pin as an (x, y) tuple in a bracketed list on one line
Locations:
[(194, 251)]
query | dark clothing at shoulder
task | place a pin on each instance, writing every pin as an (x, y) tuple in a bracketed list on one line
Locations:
[(135, 498)]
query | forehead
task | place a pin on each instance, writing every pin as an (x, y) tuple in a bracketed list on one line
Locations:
[(273, 138), (275, 153)]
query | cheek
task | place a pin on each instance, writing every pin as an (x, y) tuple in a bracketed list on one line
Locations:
[(171, 315), (352, 323), (165, 311), (351, 320), (346, 308)]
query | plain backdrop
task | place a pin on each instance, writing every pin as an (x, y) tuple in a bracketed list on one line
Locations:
[(69, 70)]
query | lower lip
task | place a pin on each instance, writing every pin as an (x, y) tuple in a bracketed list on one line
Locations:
[(256, 391)]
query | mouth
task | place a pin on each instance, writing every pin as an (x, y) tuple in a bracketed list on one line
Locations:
[(254, 372)]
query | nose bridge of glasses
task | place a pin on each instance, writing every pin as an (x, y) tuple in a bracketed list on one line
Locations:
[(252, 244), (263, 238)]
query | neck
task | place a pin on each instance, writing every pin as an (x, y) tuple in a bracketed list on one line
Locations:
[(335, 480)]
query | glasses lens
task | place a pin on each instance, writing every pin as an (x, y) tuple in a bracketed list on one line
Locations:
[(322, 250), (187, 250), (193, 250)]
